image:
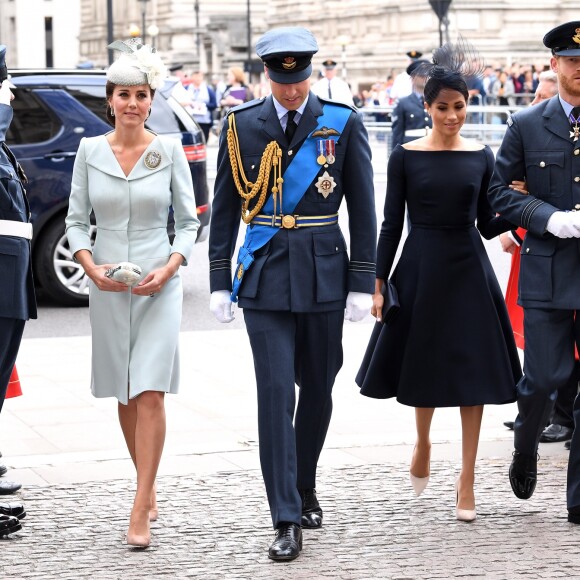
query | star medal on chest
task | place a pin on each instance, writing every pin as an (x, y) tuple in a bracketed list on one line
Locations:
[(574, 120), (152, 159), (325, 184)]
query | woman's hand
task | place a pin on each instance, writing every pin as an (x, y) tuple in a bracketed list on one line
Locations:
[(377, 308), (519, 186), (154, 281), (98, 275), (507, 244)]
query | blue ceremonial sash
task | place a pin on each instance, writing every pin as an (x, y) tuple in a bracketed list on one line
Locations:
[(297, 179)]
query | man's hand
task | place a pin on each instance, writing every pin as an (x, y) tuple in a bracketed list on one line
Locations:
[(220, 306), (358, 305), (5, 93), (564, 224)]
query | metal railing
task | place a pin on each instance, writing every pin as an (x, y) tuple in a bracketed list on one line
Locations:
[(485, 123)]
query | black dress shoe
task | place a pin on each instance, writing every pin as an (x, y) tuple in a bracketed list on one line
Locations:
[(574, 515), (311, 511), (8, 487), (509, 425), (523, 475), (555, 433), (567, 445), (9, 525), (287, 544), (13, 508), (3, 469)]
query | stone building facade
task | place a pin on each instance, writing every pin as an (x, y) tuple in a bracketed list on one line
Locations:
[(209, 34)]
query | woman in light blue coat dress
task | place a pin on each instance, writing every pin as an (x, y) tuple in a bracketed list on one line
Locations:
[(129, 178)]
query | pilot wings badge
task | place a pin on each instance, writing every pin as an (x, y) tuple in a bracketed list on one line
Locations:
[(325, 132)]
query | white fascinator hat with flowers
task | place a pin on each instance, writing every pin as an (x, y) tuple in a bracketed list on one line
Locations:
[(138, 64)]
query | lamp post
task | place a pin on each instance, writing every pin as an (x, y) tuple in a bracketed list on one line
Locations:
[(143, 15), (153, 31), (440, 7), (249, 41), (110, 29), (343, 40), (197, 41)]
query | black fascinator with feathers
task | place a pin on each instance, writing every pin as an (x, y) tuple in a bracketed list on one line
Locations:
[(453, 66)]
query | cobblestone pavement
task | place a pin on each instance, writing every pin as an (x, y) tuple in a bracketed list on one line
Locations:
[(217, 527)]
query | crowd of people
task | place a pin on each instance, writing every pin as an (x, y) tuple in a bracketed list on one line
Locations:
[(443, 336)]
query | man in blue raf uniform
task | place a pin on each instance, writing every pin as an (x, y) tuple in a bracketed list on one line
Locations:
[(542, 147), (410, 119), (285, 164), (17, 300)]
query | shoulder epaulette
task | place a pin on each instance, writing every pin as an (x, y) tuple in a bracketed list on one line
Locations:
[(248, 105)]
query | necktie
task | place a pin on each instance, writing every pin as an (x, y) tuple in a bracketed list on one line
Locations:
[(290, 126), (329, 90)]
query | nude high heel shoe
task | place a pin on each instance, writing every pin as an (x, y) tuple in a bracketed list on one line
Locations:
[(463, 515), (139, 540), (419, 483)]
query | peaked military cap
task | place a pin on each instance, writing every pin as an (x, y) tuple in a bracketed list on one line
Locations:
[(564, 40), (287, 52), (415, 64), (414, 54), (328, 63)]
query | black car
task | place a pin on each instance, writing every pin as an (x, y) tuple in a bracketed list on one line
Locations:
[(53, 110)]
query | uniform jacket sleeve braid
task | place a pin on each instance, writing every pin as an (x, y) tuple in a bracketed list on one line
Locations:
[(183, 202)]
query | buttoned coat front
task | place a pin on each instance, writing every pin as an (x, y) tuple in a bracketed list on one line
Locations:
[(538, 148), (409, 114), (306, 269), (135, 338)]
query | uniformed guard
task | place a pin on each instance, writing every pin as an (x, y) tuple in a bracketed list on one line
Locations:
[(410, 118), (542, 147), (285, 164), (17, 299)]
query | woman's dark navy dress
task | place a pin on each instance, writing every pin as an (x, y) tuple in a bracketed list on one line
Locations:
[(451, 343)]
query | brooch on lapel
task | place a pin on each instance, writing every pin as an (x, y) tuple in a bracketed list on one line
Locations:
[(152, 159)]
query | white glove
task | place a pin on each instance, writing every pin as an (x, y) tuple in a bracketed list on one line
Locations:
[(358, 305), (5, 93), (220, 306), (564, 224)]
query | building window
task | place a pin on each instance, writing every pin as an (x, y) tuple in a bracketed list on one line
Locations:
[(48, 41)]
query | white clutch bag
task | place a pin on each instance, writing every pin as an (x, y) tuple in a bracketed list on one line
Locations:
[(125, 272)]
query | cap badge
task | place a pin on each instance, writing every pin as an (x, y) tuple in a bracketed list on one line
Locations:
[(576, 37), (289, 63), (152, 159), (325, 184)]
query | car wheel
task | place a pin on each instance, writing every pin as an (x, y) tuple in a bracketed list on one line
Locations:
[(60, 277)]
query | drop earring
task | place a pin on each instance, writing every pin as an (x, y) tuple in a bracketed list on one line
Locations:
[(112, 112)]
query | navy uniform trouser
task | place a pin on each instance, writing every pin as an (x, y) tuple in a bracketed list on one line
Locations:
[(549, 364), (290, 349), (11, 331)]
